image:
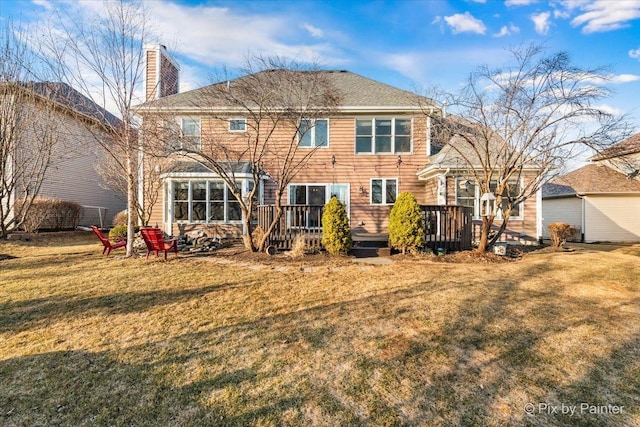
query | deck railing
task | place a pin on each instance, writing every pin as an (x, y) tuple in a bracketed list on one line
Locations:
[(296, 220), (448, 227)]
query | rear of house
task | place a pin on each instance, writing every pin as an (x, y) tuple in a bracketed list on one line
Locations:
[(378, 143)]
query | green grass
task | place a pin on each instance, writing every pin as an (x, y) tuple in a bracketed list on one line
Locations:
[(91, 340)]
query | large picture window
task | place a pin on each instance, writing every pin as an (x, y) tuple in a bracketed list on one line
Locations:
[(384, 191), (313, 133), (204, 201), (383, 136)]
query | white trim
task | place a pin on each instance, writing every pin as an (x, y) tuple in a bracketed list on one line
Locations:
[(384, 190), (539, 219), (180, 121), (373, 151), (313, 134), (170, 201), (232, 119)]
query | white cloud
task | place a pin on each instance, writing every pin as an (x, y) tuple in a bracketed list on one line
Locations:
[(43, 3), (314, 31), (634, 53), (509, 3), (507, 31), (215, 36), (457, 63), (541, 22), (625, 78), (604, 15), (465, 23)]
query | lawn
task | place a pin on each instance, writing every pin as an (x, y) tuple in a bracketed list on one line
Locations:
[(552, 339)]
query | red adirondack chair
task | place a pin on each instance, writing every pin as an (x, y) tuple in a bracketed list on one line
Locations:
[(155, 242), (108, 245)]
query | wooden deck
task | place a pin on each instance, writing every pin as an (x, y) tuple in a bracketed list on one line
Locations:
[(447, 227)]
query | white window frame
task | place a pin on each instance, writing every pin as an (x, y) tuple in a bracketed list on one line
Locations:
[(312, 133), (373, 135), (328, 192), (384, 191), (238, 120), (477, 204), (196, 138), (171, 201)]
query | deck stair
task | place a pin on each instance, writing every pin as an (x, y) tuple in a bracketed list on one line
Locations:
[(370, 245)]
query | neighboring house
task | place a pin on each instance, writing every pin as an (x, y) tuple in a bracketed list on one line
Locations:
[(601, 199), (377, 145), (72, 176)]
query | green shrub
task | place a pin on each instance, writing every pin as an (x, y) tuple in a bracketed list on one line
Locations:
[(406, 227), (560, 232), (118, 232), (336, 233)]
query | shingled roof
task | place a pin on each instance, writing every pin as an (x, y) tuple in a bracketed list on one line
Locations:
[(67, 97), (356, 92), (591, 179), (630, 145)]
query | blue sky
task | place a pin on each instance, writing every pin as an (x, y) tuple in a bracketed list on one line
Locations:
[(409, 44)]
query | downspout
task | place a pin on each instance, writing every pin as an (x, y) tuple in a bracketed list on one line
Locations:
[(538, 214), (584, 220)]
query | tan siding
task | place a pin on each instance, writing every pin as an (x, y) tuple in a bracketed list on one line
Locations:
[(151, 79), (338, 163), (612, 218)]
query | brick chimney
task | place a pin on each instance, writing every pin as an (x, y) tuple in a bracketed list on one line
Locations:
[(161, 74)]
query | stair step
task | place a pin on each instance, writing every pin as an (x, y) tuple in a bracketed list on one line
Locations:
[(370, 252)]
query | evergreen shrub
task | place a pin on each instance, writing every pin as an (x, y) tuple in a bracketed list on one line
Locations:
[(406, 227), (336, 233)]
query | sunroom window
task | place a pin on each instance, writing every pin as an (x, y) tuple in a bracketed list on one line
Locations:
[(468, 194), (204, 201)]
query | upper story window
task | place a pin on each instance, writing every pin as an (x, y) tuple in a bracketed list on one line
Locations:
[(383, 136), (190, 137), (237, 125), (187, 136), (313, 133)]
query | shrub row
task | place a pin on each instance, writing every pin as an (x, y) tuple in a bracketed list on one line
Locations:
[(51, 214)]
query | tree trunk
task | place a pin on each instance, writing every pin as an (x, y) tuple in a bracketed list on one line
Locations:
[(131, 207), (483, 245)]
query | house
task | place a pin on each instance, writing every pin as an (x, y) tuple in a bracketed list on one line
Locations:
[(73, 123), (377, 143), (601, 199)]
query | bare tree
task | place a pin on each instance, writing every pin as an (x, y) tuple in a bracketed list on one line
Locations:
[(27, 127), (517, 126), (280, 102), (110, 48), (147, 197)]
